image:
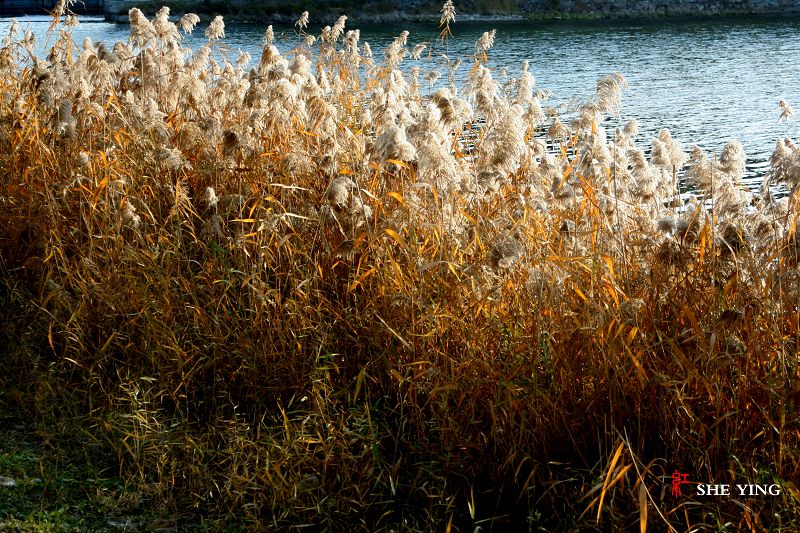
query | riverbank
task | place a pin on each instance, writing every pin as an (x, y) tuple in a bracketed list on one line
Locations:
[(394, 12)]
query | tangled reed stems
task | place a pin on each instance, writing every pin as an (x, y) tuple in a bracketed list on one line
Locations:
[(319, 290)]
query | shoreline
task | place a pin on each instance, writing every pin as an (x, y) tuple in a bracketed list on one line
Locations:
[(400, 16), (430, 18)]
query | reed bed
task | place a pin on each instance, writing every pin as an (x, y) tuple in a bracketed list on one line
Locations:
[(307, 289)]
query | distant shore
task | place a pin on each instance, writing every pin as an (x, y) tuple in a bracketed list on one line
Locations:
[(266, 11), (393, 18), (521, 10)]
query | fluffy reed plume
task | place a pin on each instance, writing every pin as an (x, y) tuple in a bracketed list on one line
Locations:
[(785, 162), (732, 160), (65, 121), (302, 22), (667, 152), (721, 179), (432, 77), (485, 42), (609, 92), (506, 253), (165, 30), (211, 198), (701, 170), (501, 151), (448, 16), (61, 8), (129, 215), (786, 111), (188, 22), (691, 223), (557, 131), (525, 86), (171, 158), (667, 225), (344, 206), (448, 13), (339, 192), (142, 31), (588, 120), (215, 30), (631, 128), (393, 144), (452, 112), (338, 28), (435, 165), (645, 179), (485, 93), (396, 51)]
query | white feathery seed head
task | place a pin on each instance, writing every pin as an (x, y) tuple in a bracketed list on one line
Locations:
[(700, 172), (609, 92), (785, 162), (171, 158), (269, 36), (339, 191), (448, 14), (188, 22), (166, 30), (666, 224), (786, 110), (631, 128), (302, 22), (129, 215), (393, 144), (351, 39), (486, 41), (732, 160), (142, 31), (338, 28), (211, 197), (557, 131), (216, 30)]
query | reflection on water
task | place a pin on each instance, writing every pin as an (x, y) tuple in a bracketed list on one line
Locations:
[(706, 80)]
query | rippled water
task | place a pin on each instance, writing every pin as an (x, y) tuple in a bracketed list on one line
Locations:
[(708, 81)]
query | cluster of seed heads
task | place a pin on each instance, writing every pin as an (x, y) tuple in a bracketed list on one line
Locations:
[(442, 147)]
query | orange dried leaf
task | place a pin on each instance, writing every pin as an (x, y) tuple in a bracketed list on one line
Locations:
[(397, 237), (401, 164), (397, 196)]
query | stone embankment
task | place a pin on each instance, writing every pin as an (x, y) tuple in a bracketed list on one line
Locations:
[(656, 8), (426, 10)]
